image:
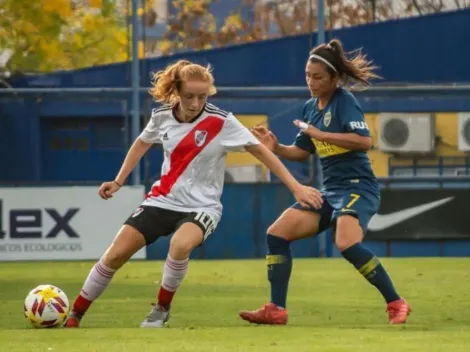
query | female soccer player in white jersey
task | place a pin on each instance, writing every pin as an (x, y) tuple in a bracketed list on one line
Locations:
[(186, 200)]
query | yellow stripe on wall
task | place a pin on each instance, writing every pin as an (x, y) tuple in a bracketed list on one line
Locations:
[(378, 159), (243, 158)]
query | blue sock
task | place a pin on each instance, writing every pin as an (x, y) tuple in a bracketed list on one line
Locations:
[(279, 262), (370, 267)]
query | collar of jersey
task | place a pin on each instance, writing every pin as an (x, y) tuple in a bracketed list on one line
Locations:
[(335, 93), (173, 111)]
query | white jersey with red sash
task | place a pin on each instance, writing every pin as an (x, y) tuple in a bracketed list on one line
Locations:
[(192, 176)]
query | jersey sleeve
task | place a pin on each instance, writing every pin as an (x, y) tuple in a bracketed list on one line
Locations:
[(151, 133), (352, 117), (235, 136), (302, 140)]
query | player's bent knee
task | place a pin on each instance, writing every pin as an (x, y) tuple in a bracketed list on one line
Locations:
[(343, 242), (127, 242), (186, 238), (180, 248), (348, 232), (276, 230), (115, 258), (282, 228), (295, 224)]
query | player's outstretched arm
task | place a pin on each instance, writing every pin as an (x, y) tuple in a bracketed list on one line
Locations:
[(288, 152), (135, 153), (291, 152), (306, 196)]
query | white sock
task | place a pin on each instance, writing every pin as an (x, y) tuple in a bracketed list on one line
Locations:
[(98, 279), (174, 272)]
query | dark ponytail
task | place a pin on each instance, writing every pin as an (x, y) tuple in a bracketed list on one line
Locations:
[(351, 71)]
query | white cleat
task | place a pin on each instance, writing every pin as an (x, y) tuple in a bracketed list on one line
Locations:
[(157, 318)]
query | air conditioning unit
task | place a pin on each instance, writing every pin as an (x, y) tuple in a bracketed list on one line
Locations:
[(403, 133), (464, 131), (461, 172)]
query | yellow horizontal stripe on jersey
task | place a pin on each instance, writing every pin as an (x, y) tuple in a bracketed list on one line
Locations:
[(325, 149)]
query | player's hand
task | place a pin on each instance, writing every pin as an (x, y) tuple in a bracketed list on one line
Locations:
[(313, 132), (308, 197), (266, 137), (107, 189)]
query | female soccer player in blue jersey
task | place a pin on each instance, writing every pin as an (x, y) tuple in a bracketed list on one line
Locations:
[(333, 126)]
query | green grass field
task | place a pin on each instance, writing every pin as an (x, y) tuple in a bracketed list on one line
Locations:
[(331, 308)]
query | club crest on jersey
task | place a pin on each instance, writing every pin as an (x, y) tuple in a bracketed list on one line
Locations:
[(327, 119), (200, 137)]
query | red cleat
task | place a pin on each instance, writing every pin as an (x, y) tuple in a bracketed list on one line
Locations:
[(268, 314), (72, 321), (398, 311)]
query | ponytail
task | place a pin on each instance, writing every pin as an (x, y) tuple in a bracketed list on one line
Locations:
[(166, 83), (356, 70)]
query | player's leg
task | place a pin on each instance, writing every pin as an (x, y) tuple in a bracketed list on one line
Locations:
[(143, 227), (193, 230), (294, 224), (351, 225), (127, 242), (183, 242)]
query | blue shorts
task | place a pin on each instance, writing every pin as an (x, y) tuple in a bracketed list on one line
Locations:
[(360, 202)]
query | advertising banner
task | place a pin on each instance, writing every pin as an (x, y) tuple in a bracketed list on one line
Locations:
[(62, 223), (422, 214)]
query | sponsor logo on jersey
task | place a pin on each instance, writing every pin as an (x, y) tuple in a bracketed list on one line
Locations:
[(358, 125)]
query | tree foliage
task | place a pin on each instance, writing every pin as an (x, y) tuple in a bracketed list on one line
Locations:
[(194, 27), (46, 35)]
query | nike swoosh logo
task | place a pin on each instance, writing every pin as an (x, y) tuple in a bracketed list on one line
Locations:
[(381, 222)]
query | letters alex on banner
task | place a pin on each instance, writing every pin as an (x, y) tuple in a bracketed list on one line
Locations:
[(61, 222), (23, 219), (421, 214)]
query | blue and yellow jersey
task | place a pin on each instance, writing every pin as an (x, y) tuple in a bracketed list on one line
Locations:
[(340, 166)]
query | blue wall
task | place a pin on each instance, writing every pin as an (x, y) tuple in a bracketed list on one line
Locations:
[(30, 124)]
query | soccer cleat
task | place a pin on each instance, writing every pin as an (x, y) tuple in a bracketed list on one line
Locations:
[(73, 320), (268, 314), (398, 311), (157, 318)]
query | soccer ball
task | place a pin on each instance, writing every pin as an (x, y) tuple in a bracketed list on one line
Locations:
[(46, 306)]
